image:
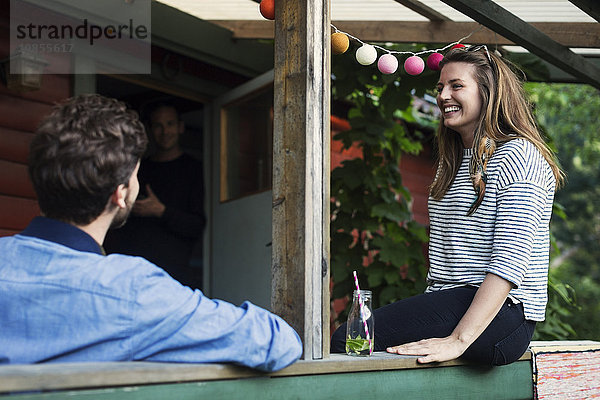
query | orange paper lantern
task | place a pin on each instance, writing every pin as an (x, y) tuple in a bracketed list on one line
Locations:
[(267, 9), (339, 43)]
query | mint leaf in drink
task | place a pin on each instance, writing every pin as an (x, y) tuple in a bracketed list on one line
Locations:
[(357, 345)]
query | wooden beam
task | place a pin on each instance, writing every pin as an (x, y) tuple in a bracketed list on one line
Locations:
[(43, 378), (590, 7), (300, 252), (510, 26), (581, 34), (423, 10)]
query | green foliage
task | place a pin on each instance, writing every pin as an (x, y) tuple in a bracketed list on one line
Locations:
[(561, 304), (562, 300), (533, 67), (569, 115), (372, 227)]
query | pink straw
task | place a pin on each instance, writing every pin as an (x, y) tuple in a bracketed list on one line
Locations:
[(362, 311)]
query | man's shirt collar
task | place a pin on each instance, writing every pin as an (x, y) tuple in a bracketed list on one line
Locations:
[(62, 233)]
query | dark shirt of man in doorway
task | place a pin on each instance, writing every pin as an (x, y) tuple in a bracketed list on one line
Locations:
[(167, 219)]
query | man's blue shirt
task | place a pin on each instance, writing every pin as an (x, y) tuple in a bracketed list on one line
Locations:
[(62, 300)]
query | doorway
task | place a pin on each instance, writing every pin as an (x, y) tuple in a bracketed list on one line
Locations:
[(139, 236), (232, 135)]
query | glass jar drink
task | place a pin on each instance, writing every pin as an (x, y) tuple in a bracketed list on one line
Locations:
[(360, 326)]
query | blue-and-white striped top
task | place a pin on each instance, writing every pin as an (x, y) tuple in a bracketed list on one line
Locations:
[(508, 235)]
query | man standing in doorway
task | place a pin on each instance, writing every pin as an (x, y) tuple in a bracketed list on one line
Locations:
[(168, 217)]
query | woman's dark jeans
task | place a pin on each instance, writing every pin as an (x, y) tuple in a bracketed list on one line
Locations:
[(436, 314)]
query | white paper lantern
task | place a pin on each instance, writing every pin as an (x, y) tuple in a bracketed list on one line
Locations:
[(366, 54)]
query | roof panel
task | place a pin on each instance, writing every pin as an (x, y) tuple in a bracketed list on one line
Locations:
[(217, 9), (446, 10), (385, 10), (374, 10)]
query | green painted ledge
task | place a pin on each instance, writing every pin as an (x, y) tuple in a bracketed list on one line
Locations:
[(339, 377)]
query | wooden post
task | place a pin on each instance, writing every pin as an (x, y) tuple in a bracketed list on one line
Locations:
[(301, 166)]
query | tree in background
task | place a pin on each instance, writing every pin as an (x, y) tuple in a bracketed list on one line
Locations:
[(569, 115)]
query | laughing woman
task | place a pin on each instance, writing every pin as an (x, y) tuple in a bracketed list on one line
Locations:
[(489, 208)]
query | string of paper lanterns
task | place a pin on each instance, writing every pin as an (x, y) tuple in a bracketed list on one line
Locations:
[(367, 53), (387, 63)]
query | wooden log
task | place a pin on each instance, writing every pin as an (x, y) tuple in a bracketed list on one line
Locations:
[(16, 212), (300, 254), (14, 145), (14, 180), (55, 88), (21, 114)]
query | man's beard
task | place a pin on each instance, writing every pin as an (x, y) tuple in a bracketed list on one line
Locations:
[(121, 216)]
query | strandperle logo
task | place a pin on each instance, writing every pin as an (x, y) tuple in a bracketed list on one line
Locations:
[(90, 32), (81, 36)]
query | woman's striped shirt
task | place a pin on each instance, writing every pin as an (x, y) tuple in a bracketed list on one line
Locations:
[(508, 235)]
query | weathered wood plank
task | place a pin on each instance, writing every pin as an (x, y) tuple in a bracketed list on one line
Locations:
[(300, 171), (323, 273), (578, 34), (457, 382), (20, 378)]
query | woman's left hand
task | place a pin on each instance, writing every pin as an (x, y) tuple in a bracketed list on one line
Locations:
[(485, 305), (432, 350)]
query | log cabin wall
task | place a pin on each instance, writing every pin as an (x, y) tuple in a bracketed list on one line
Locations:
[(20, 113)]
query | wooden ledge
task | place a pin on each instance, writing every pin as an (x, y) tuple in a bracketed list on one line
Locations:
[(42, 377)]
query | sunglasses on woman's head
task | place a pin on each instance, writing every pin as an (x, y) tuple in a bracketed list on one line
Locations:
[(480, 47)]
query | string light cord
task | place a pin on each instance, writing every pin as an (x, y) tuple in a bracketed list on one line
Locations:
[(459, 41)]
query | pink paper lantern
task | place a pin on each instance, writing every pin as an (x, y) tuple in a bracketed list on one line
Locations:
[(433, 61), (414, 65), (387, 64)]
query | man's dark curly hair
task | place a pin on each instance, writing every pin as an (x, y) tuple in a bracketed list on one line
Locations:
[(81, 153)]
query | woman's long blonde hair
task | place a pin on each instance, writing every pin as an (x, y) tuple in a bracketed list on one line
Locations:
[(505, 115)]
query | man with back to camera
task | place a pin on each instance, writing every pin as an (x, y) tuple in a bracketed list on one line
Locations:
[(63, 300), (167, 219)]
